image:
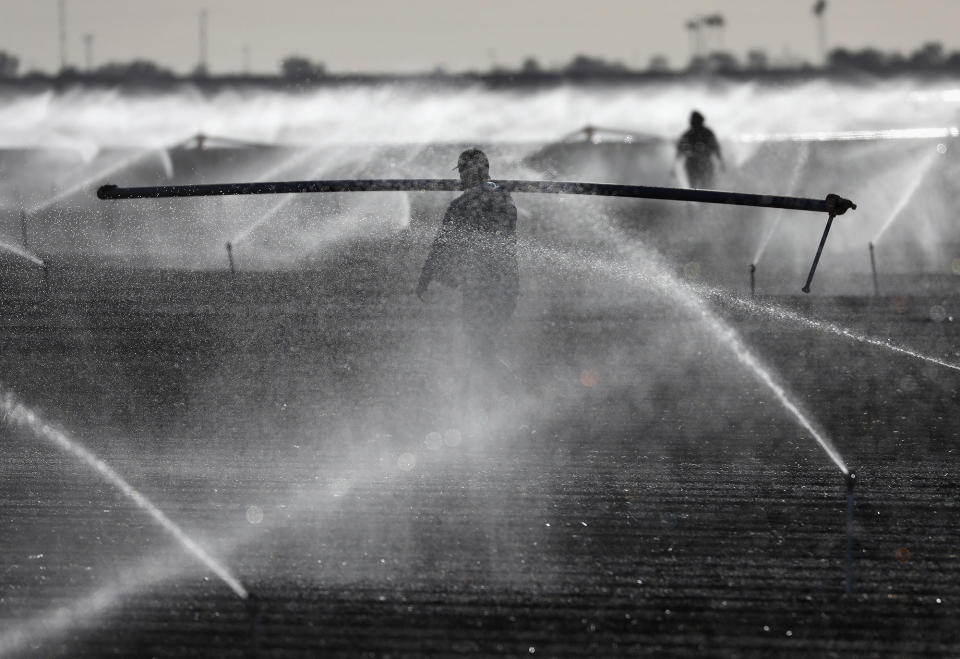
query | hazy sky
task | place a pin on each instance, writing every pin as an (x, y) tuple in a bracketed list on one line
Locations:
[(411, 35)]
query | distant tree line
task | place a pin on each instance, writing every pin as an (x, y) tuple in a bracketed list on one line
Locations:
[(928, 58)]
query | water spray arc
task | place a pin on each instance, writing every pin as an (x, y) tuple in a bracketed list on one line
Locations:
[(16, 413), (783, 314), (907, 195), (109, 170), (798, 170), (22, 252), (833, 204)]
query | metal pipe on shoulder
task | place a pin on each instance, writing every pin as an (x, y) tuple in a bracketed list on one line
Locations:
[(831, 204)]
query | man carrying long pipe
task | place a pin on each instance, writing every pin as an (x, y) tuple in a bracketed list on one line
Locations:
[(833, 204), (475, 250)]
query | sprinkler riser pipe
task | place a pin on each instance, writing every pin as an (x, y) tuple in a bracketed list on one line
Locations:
[(255, 610), (23, 229), (832, 201), (851, 481), (873, 269), (753, 286), (230, 258)]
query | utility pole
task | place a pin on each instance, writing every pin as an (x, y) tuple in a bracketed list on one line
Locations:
[(819, 10), (88, 49), (202, 65), (693, 26), (62, 17)]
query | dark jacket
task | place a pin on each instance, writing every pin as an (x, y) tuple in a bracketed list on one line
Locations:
[(698, 145), (476, 246)]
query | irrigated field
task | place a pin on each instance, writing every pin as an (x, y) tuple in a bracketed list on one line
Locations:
[(636, 491)]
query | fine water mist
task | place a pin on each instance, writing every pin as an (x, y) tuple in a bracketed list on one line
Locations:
[(907, 193), (18, 414), (637, 265), (807, 138), (726, 297), (21, 252)]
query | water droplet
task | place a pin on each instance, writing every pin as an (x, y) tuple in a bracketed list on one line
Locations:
[(899, 304), (254, 514), (938, 314), (434, 441), (532, 650), (766, 628), (452, 438), (406, 461), (691, 270), (941, 148), (939, 601), (589, 377), (789, 633)]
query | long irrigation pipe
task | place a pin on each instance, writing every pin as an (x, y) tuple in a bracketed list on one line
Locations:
[(833, 204)]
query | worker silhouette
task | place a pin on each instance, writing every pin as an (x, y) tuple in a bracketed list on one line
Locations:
[(698, 146), (475, 250)]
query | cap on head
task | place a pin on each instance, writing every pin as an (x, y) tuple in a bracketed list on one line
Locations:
[(696, 119), (472, 158)]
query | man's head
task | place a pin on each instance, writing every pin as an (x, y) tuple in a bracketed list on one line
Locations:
[(473, 166), (696, 119)]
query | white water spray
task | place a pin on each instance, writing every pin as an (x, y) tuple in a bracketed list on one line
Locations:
[(728, 336), (908, 193), (798, 168), (783, 314), (285, 200), (102, 174), (15, 412), (22, 253)]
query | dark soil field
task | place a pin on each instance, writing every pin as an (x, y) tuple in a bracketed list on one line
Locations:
[(636, 490)]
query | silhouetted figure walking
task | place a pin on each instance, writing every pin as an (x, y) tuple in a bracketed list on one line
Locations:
[(475, 250), (697, 147)]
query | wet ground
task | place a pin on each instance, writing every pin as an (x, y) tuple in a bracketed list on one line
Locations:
[(635, 492)]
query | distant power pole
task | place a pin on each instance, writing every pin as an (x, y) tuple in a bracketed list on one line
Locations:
[(202, 65), (819, 10), (693, 27), (62, 17), (88, 50)]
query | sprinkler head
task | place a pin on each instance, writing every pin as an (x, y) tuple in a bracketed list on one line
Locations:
[(837, 205), (753, 268), (851, 480)]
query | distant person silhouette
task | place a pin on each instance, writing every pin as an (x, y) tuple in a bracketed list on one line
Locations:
[(698, 146), (475, 250)]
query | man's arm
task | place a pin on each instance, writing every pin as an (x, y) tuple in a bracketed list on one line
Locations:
[(715, 144), (439, 248)]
